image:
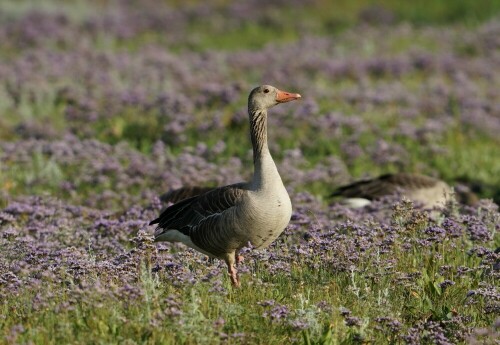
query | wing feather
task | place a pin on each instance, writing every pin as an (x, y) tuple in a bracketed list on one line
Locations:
[(189, 213), (179, 194), (384, 185), (412, 181)]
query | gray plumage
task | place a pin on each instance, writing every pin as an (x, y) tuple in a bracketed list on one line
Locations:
[(179, 194), (221, 221), (426, 190)]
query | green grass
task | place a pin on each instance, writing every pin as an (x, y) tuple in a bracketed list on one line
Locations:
[(369, 292)]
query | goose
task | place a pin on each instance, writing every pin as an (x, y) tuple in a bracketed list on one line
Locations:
[(428, 191), (223, 220), (179, 194)]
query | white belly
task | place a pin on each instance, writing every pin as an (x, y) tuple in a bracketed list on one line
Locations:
[(270, 219), (177, 236)]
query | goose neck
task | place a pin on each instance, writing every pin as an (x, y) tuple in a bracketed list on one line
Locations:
[(258, 134), (265, 172)]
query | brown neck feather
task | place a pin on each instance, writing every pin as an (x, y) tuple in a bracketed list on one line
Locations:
[(258, 132)]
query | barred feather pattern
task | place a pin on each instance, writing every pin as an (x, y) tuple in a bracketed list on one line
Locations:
[(258, 132)]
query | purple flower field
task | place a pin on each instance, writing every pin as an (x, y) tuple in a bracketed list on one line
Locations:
[(107, 105)]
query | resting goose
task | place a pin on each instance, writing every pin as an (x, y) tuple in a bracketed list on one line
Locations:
[(223, 220), (428, 191)]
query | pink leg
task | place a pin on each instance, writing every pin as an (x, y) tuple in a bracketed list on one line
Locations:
[(233, 274), (239, 258)]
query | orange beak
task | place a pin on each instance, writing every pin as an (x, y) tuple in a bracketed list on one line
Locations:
[(283, 96)]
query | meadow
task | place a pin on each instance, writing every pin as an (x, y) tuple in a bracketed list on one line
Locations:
[(105, 105)]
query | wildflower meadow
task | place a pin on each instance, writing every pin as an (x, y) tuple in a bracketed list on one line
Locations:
[(107, 104)]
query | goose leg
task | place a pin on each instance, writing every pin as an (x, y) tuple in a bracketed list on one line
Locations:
[(233, 274), (239, 258)]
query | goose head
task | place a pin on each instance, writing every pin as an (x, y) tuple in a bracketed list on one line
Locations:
[(266, 96)]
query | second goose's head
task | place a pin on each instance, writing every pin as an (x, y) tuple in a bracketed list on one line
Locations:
[(267, 96)]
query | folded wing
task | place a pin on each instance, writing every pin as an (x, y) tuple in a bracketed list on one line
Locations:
[(189, 214)]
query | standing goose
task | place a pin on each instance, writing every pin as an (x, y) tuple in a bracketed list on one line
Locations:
[(223, 220), (428, 191), (179, 194)]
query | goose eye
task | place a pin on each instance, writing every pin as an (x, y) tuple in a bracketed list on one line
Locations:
[(266, 90)]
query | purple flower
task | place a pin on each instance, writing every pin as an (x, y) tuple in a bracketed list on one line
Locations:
[(436, 233), (351, 321), (452, 227), (277, 313), (299, 324), (445, 284), (393, 325), (477, 230)]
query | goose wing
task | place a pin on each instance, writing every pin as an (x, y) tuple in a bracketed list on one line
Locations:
[(179, 194), (208, 207), (367, 189), (384, 185), (410, 181)]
